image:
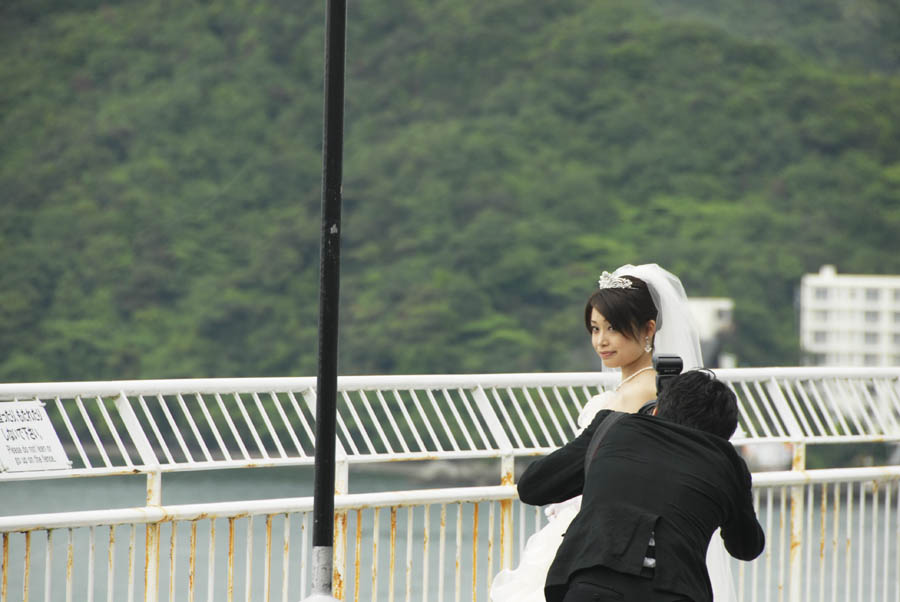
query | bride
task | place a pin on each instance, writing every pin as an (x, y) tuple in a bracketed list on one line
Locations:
[(634, 311)]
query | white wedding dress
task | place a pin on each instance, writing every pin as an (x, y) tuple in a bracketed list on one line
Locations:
[(676, 335)]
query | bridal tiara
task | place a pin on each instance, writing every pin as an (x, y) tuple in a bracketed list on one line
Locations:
[(607, 280)]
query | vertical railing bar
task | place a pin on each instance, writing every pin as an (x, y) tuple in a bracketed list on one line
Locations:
[(348, 401), (193, 425), (887, 539), (897, 538), (862, 535), (304, 544), (565, 408), (4, 569), (754, 577), (441, 545), (537, 416), (267, 569), (90, 569), (553, 418), (521, 527), (391, 422), (113, 431), (229, 564), (807, 537), (508, 422), (458, 575), (248, 560), (835, 527), (425, 420), (490, 550), (250, 426), (785, 542), (447, 430), (848, 558), (368, 407), (211, 574), (268, 423), (212, 426), (426, 559), (473, 417), (375, 537), (75, 439), (823, 539), (70, 561), (192, 562), (285, 557), (155, 428), (287, 423), (357, 553), (406, 415), (874, 561), (173, 558), (302, 418), (769, 492), (475, 508), (392, 556), (90, 425), (409, 551), (458, 418), (111, 566), (524, 421), (131, 562), (175, 430), (801, 391), (48, 566), (26, 577), (232, 427)]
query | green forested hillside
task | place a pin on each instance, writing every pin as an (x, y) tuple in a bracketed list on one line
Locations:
[(160, 176)]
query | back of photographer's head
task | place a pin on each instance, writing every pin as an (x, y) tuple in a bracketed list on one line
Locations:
[(698, 400)]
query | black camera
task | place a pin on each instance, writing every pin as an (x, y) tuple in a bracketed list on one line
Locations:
[(666, 366)]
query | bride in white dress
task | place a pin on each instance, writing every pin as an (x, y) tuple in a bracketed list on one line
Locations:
[(636, 311)]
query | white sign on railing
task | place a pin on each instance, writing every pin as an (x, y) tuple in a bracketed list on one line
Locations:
[(27, 439)]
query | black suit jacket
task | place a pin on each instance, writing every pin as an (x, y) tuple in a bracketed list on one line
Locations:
[(649, 475)]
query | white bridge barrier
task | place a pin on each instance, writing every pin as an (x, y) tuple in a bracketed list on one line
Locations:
[(832, 534)]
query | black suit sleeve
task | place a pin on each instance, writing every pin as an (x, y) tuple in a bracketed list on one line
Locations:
[(743, 536), (560, 475)]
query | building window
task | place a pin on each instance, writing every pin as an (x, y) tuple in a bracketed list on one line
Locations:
[(897, 294), (897, 316), (820, 336), (870, 359), (822, 315), (872, 294), (896, 339), (821, 293), (871, 316), (871, 338)]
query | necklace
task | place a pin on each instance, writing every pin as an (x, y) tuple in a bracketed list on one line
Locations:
[(619, 386)]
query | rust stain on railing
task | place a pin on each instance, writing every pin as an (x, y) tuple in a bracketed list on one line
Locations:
[(357, 548), (393, 552), (337, 578), (192, 561), (4, 584), (27, 565)]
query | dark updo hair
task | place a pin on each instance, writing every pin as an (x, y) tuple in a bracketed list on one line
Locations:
[(698, 400), (626, 309)]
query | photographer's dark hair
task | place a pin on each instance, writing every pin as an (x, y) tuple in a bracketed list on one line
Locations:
[(698, 400), (627, 310)]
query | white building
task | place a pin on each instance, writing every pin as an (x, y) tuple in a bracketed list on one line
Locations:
[(850, 319)]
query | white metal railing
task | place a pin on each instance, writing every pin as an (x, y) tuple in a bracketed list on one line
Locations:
[(153, 427)]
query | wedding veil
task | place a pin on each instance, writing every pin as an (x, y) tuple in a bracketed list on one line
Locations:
[(676, 330)]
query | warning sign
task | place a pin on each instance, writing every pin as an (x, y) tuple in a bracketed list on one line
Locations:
[(27, 439)]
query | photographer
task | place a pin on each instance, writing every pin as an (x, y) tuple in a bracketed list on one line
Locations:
[(655, 489)]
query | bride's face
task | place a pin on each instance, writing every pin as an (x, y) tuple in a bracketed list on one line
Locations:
[(614, 348)]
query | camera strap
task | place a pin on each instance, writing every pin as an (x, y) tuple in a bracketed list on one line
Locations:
[(598, 437)]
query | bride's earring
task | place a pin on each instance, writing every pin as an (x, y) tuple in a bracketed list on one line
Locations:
[(647, 346)]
